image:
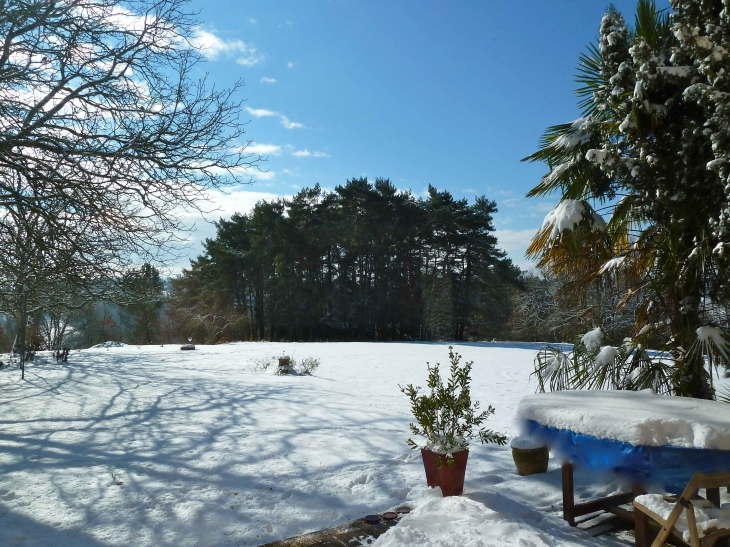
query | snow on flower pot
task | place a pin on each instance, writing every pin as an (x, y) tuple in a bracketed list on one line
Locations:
[(440, 473), (530, 456)]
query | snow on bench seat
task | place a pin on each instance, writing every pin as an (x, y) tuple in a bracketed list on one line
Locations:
[(637, 418), (709, 518)]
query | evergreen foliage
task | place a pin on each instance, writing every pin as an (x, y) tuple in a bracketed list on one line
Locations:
[(446, 416), (143, 294), (651, 151), (364, 262)]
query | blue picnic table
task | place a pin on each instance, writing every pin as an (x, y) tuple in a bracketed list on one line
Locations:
[(654, 442)]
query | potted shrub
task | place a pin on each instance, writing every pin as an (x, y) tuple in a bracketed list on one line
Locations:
[(448, 419)]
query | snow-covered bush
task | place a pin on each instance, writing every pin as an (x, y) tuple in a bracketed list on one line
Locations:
[(446, 416)]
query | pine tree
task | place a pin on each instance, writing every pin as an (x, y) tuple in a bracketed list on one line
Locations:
[(365, 261), (144, 291)]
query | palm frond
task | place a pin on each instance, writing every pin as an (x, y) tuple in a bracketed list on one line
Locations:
[(652, 24), (554, 369), (712, 347), (590, 76), (655, 374)]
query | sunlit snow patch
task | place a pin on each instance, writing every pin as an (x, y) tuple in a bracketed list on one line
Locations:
[(109, 344)]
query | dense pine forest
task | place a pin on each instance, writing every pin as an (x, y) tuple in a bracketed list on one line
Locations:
[(363, 262)]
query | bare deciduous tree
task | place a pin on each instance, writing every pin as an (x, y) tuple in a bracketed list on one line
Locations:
[(105, 136)]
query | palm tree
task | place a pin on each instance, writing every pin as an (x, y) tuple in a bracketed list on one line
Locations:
[(639, 155)]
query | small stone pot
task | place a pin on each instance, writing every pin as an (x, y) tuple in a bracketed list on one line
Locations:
[(450, 479), (530, 461), (284, 365)]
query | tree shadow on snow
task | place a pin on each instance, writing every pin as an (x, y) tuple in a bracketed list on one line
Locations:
[(196, 450)]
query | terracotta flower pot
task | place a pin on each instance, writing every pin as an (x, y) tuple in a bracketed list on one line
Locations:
[(450, 479)]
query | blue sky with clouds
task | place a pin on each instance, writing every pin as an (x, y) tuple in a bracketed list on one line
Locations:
[(451, 94)]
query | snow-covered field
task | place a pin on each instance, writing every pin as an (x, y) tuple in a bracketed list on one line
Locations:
[(211, 452)]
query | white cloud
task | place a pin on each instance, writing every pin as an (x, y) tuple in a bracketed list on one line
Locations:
[(514, 240), (260, 112), (263, 149), (286, 122), (253, 173), (238, 201), (263, 112), (213, 47), (263, 175), (250, 59), (290, 64), (306, 153), (267, 80), (252, 20), (242, 171)]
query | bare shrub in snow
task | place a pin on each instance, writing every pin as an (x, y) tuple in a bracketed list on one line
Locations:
[(117, 474), (306, 366), (262, 363), (303, 367)]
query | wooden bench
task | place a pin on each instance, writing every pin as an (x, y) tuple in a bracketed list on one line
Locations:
[(686, 502)]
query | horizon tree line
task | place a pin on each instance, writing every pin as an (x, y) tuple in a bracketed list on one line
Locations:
[(363, 262)]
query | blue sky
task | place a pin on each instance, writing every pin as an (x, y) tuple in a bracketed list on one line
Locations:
[(451, 94)]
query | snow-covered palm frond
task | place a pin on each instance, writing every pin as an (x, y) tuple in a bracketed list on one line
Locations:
[(563, 147), (571, 241), (653, 374), (554, 369), (599, 368), (712, 347), (592, 365), (644, 371)]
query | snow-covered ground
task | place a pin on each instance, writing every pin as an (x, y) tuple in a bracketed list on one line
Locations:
[(212, 452)]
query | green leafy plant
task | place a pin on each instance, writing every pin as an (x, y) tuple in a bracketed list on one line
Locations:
[(446, 416)]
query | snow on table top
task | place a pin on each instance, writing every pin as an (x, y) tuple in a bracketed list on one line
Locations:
[(638, 418)]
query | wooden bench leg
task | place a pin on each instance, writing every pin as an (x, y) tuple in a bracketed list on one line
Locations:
[(642, 532), (568, 494), (641, 529), (713, 495)]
